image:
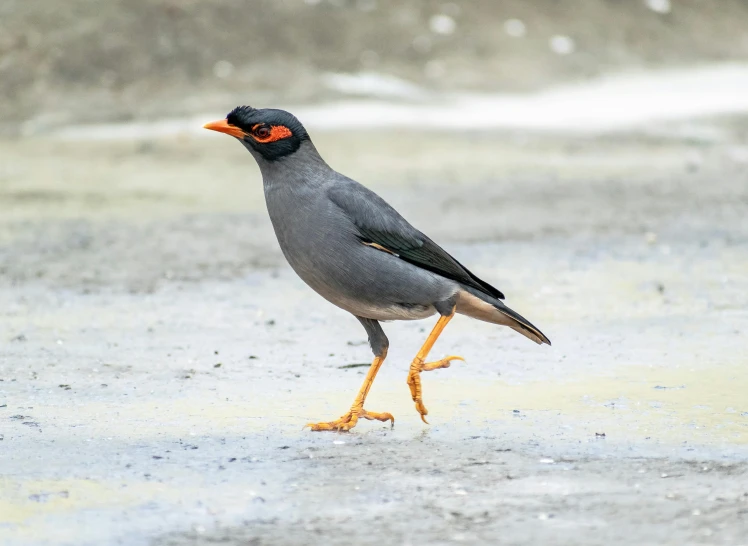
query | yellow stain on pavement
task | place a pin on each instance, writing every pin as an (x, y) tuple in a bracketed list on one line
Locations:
[(632, 403), (22, 502), (696, 406)]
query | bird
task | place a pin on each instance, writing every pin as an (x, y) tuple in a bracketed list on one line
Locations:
[(357, 252)]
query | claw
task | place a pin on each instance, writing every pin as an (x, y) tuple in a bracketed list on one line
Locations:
[(414, 379)]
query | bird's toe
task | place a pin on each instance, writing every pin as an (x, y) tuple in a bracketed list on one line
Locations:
[(350, 419), (443, 363)]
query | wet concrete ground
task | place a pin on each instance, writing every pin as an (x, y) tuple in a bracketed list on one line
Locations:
[(158, 359)]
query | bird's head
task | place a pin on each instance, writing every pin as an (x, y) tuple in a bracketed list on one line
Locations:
[(273, 134)]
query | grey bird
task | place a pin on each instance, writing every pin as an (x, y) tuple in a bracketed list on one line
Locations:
[(358, 252)]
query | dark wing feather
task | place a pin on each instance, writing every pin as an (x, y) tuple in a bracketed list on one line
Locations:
[(377, 222)]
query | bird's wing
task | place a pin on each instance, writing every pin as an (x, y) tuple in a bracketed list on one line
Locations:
[(380, 225)]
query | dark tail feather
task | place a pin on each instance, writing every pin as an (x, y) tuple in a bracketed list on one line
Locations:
[(522, 325), (481, 306)]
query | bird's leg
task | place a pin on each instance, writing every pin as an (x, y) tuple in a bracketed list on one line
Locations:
[(419, 364), (379, 344), (357, 411)]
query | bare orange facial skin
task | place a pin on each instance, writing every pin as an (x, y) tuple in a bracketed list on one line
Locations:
[(222, 126), (277, 132)]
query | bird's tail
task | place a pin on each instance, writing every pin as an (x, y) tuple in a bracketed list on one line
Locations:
[(475, 304)]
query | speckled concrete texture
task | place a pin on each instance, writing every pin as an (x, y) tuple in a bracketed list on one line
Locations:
[(158, 359)]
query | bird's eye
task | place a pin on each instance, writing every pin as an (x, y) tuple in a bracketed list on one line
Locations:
[(262, 131)]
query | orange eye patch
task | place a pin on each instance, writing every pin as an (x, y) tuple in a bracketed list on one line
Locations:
[(263, 134)]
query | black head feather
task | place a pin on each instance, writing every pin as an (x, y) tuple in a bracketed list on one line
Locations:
[(240, 116), (246, 117)]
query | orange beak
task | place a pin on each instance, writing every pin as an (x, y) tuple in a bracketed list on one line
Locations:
[(222, 126)]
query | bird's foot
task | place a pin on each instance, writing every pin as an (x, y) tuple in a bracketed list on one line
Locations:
[(349, 420), (414, 379)]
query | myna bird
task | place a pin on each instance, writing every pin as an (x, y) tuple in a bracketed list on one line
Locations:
[(358, 253)]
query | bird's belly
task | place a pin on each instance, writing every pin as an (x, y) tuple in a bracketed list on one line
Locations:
[(370, 299), (394, 311), (372, 284)]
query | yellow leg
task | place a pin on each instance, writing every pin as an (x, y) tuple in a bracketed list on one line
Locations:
[(419, 364), (357, 411)]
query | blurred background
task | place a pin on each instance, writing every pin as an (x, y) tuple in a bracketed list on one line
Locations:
[(158, 357), (136, 59)]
